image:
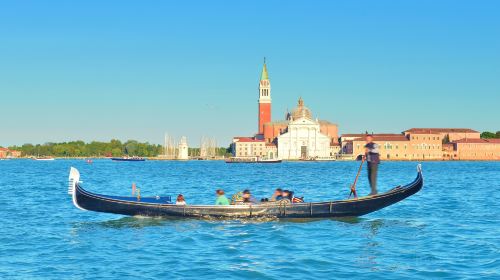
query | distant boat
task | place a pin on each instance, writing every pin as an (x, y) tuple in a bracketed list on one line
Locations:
[(319, 159), (128, 159), (252, 160), (44, 158)]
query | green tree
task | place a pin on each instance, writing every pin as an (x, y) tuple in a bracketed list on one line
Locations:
[(488, 135)]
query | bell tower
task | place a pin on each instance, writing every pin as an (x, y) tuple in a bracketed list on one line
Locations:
[(264, 99)]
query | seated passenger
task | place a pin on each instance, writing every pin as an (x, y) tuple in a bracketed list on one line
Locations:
[(297, 199), (247, 197), (221, 198), (180, 200), (277, 195), (237, 198), (286, 195)]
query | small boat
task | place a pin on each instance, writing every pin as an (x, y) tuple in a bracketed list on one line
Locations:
[(128, 159), (162, 206), (44, 158), (319, 159), (252, 160)]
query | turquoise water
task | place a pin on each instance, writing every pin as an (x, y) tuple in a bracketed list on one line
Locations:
[(448, 230)]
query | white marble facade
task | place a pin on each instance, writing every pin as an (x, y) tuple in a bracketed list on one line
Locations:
[(303, 140)]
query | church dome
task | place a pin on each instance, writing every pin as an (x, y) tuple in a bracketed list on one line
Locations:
[(301, 111)]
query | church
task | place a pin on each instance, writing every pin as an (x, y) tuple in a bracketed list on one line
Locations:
[(299, 137)]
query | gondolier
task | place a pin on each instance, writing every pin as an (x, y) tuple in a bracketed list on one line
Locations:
[(372, 157)]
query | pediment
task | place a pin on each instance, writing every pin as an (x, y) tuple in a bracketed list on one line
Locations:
[(303, 121)]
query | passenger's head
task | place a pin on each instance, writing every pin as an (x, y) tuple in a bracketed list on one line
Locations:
[(278, 191), (246, 193), (180, 197), (219, 192), (369, 138), (286, 193)]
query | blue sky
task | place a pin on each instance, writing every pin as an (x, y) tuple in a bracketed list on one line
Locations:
[(137, 69)]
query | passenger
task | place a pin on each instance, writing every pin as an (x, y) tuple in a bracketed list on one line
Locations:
[(277, 195), (296, 199), (221, 198), (286, 195), (180, 200), (247, 197), (237, 198)]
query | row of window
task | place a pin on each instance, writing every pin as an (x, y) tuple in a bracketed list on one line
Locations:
[(426, 138), (250, 154), (265, 92)]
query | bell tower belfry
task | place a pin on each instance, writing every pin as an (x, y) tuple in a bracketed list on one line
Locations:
[(264, 99)]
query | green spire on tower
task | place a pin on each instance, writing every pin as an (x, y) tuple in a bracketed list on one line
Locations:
[(264, 75)]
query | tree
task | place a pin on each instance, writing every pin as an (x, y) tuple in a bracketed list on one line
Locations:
[(446, 139), (488, 135)]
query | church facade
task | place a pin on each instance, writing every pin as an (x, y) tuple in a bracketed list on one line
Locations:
[(298, 137)]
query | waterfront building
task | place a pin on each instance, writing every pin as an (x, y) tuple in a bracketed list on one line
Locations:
[(274, 129), (252, 147), (396, 146), (7, 153), (448, 134), (299, 136), (474, 149), (426, 144), (303, 138)]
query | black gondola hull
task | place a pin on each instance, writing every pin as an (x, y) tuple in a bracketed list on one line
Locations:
[(161, 207)]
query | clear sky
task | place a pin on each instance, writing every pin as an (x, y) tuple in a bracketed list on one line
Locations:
[(97, 70)]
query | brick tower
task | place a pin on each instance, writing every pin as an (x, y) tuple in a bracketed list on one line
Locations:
[(264, 99)]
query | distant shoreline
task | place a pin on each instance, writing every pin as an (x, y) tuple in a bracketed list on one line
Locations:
[(223, 159)]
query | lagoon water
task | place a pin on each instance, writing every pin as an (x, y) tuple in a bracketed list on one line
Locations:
[(450, 230)]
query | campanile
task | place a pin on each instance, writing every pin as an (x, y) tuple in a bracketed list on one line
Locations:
[(264, 99)]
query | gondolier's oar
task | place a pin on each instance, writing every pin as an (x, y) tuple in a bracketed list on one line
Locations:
[(353, 186)]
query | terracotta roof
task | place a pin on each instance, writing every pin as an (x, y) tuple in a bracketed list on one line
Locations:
[(248, 139), (441, 130), (374, 135), (478, 141), (384, 138), (3, 149)]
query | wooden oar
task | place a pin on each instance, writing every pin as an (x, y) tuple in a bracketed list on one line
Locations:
[(353, 186)]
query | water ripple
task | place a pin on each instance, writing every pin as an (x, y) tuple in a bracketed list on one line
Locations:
[(449, 230)]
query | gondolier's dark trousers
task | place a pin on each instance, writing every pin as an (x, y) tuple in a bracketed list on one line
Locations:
[(372, 176)]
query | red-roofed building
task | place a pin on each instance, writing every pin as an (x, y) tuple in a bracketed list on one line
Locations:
[(6, 153), (427, 144), (299, 136), (396, 146), (252, 147), (475, 149), (450, 134)]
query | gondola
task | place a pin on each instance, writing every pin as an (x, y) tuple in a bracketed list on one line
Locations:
[(163, 207)]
